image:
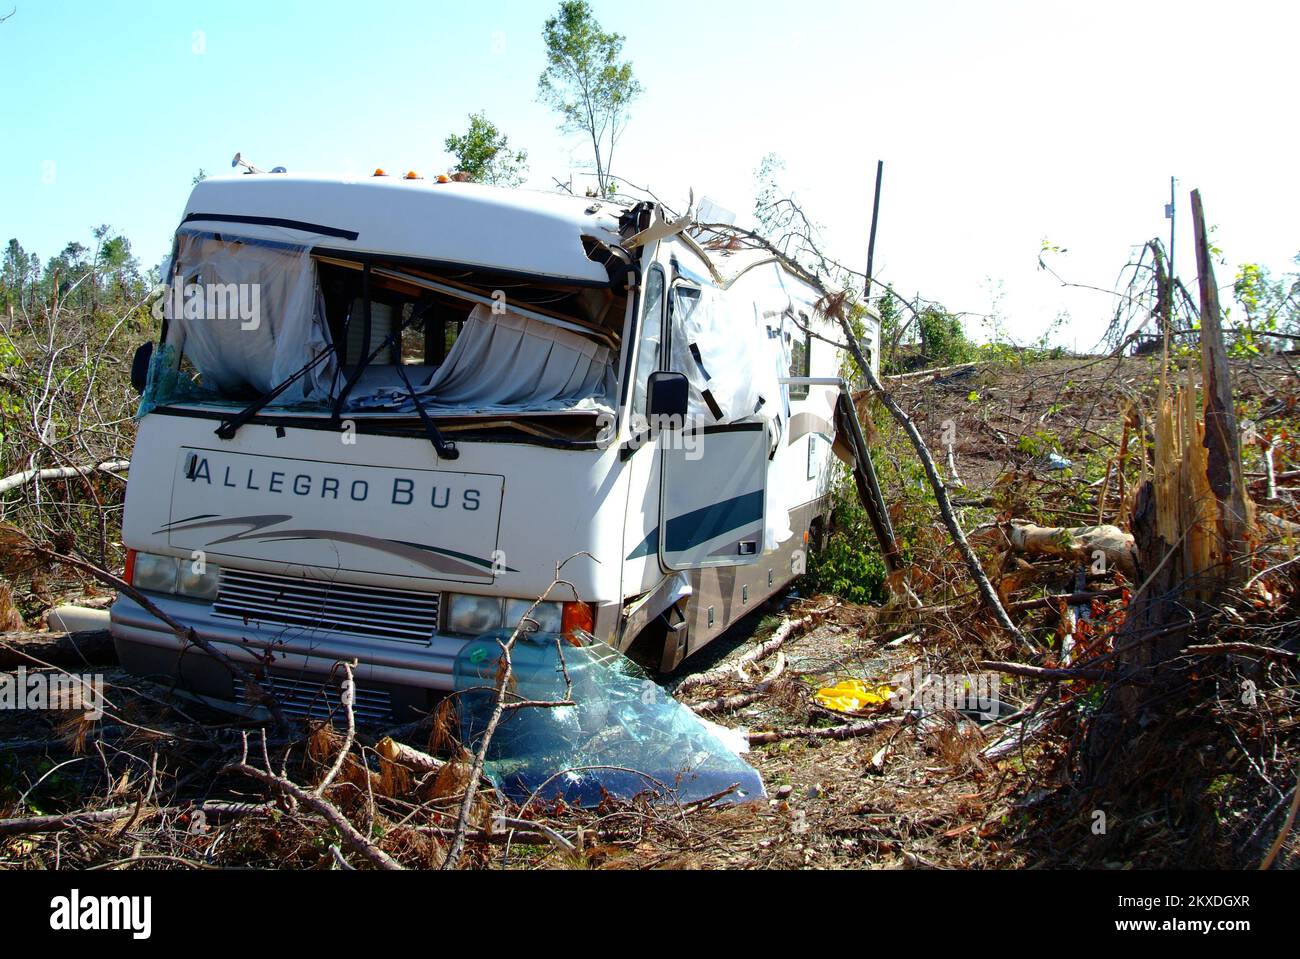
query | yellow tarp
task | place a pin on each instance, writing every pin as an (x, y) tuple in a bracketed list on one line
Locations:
[(853, 695)]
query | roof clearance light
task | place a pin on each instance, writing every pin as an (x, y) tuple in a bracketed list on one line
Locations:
[(412, 175), (380, 172), (443, 178)]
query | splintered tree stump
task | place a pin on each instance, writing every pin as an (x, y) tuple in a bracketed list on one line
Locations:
[(1191, 526)]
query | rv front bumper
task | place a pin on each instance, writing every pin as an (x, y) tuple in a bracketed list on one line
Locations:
[(408, 675)]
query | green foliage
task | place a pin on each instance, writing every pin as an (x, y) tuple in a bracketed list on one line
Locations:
[(1005, 354), (942, 337), (483, 152), (891, 330), (1270, 306), (1039, 443), (587, 83), (67, 334), (849, 565)]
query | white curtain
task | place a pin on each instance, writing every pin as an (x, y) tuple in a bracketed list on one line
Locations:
[(245, 313), (504, 359)]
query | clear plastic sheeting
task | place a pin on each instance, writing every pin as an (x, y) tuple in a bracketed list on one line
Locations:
[(624, 737), (504, 361), (246, 316), (723, 347)]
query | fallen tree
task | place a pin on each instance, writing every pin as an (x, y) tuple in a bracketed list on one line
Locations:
[(69, 650), (1106, 547)]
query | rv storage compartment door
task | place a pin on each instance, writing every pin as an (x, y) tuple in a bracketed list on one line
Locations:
[(712, 497)]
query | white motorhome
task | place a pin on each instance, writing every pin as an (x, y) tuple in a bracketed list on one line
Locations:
[(384, 410)]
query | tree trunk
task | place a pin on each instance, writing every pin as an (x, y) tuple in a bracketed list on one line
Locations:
[(1190, 524), (65, 650), (1222, 440)]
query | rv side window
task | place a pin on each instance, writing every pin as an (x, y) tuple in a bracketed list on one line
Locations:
[(801, 358), (652, 322)]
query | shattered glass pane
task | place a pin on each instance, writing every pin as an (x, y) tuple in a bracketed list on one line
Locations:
[(623, 737)]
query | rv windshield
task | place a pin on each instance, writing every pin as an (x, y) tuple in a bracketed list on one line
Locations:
[(245, 316)]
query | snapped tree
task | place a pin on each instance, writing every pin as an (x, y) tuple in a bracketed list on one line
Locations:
[(587, 83), (483, 153)]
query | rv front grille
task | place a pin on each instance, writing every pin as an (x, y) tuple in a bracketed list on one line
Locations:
[(309, 699), (378, 612)]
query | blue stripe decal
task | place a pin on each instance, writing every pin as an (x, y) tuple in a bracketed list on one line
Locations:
[(693, 529), (648, 546)]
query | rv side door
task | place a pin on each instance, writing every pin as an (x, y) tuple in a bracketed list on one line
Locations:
[(714, 487)]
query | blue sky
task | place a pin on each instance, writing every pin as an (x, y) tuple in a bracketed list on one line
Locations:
[(1001, 124)]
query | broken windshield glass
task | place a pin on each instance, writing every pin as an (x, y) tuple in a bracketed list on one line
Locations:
[(623, 736)]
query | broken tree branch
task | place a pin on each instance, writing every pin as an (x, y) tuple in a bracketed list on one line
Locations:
[(325, 808), (833, 307), (15, 480), (93, 647), (729, 670), (499, 709), (32, 825), (186, 634), (847, 731)]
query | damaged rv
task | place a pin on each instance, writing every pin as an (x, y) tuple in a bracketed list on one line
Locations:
[(382, 412)]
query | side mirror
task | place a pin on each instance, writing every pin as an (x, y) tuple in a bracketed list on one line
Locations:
[(140, 366), (667, 396)]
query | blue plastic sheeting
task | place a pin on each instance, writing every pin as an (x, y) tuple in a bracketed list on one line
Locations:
[(624, 736)]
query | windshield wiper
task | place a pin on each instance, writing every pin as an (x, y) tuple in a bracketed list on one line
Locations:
[(445, 448), (230, 427)]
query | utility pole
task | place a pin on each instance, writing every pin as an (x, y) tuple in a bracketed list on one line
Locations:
[(1170, 213), (871, 243)]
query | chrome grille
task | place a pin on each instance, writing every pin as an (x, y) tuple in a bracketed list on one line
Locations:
[(379, 612), (310, 699)]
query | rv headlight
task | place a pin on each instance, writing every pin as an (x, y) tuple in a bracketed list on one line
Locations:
[(153, 573), (193, 584), (473, 615), (547, 616)]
